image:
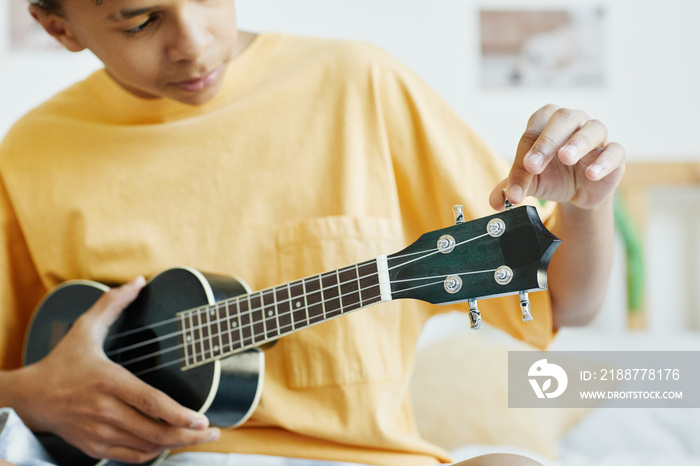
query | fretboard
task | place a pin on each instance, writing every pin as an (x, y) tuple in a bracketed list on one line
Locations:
[(215, 331)]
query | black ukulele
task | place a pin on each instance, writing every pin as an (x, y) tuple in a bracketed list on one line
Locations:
[(196, 336)]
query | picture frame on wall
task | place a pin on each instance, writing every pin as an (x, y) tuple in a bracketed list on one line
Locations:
[(555, 47)]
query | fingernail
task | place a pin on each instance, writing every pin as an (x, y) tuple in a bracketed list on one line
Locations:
[(199, 422), (595, 169), (214, 435), (571, 149), (515, 193), (139, 281), (536, 159)]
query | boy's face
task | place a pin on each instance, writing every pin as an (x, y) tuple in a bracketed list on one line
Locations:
[(177, 49)]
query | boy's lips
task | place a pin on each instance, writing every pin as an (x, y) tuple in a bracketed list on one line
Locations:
[(201, 83)]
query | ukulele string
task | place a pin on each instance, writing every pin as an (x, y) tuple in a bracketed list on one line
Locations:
[(427, 253), (430, 252), (253, 337), (251, 324)]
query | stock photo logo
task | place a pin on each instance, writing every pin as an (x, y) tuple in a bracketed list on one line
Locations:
[(546, 372)]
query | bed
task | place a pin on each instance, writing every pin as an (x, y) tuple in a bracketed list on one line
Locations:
[(459, 391)]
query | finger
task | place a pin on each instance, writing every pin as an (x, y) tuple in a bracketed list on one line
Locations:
[(143, 433), (547, 131), (558, 130), (519, 178), (110, 305), (606, 162), (125, 454), (496, 198), (168, 437), (103, 438), (156, 404), (592, 135)]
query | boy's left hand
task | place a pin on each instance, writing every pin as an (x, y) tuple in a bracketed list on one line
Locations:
[(563, 156)]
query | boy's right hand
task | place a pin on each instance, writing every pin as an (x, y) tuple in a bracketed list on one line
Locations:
[(78, 393)]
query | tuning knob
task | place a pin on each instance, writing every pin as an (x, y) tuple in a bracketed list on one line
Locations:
[(506, 201), (474, 315), (459, 216), (525, 306)]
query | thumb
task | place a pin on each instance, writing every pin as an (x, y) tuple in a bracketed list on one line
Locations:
[(497, 198), (110, 305)]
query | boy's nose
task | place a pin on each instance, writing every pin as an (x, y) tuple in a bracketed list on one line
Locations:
[(189, 41)]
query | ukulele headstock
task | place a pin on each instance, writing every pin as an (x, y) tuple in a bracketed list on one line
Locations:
[(502, 254)]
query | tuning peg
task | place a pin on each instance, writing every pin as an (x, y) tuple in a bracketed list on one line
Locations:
[(459, 216), (474, 315), (507, 202), (525, 306)]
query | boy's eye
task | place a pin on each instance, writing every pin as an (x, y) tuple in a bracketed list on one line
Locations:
[(141, 26)]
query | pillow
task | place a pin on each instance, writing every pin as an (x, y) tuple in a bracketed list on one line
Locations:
[(460, 396)]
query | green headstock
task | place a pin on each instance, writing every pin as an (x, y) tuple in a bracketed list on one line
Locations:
[(505, 253)]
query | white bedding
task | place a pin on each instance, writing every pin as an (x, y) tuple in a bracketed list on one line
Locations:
[(602, 436), (619, 437)]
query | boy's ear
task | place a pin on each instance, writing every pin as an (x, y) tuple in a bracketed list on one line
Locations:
[(56, 26)]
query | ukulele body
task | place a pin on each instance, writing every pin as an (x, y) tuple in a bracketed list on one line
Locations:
[(147, 340)]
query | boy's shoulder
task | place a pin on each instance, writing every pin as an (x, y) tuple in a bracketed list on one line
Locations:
[(66, 101), (348, 54)]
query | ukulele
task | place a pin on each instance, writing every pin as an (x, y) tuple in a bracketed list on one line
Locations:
[(198, 336)]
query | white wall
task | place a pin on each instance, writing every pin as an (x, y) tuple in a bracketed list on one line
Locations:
[(650, 103)]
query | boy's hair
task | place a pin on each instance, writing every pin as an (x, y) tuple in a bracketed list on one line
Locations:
[(49, 5), (53, 5)]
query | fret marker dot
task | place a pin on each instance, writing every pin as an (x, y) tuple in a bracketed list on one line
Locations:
[(235, 324), (189, 337), (216, 349), (298, 304), (269, 313), (211, 313)]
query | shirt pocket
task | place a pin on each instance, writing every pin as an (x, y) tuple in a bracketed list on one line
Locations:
[(360, 347)]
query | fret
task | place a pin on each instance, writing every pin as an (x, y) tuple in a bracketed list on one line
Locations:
[(257, 318), (235, 329), (194, 331), (369, 283), (359, 287), (331, 294), (270, 315), (340, 292), (246, 324), (349, 292), (214, 343), (219, 321), (300, 318), (186, 337), (277, 314), (225, 325), (202, 334), (314, 300), (284, 315)]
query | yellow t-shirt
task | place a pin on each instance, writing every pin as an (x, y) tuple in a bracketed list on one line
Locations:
[(315, 154)]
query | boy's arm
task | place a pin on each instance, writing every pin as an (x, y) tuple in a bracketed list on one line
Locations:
[(95, 404), (565, 156)]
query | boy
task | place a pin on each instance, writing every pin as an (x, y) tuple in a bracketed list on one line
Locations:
[(273, 158)]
